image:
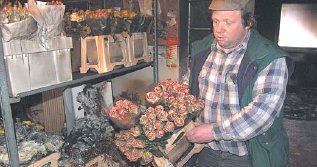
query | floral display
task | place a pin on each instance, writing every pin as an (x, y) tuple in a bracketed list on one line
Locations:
[(13, 13), (169, 108), (123, 113), (58, 2), (104, 22)]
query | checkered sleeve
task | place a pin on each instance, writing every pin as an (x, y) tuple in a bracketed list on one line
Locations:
[(257, 117)]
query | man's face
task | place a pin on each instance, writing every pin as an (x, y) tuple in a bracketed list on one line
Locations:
[(228, 28)]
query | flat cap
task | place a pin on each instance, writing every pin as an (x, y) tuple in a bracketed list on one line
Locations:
[(247, 5)]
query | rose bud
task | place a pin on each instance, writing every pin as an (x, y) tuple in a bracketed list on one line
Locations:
[(162, 116), (171, 99), (182, 109), (179, 121), (152, 97), (150, 110), (158, 124), (151, 116), (144, 119), (158, 89), (169, 127), (172, 114), (149, 126), (150, 135), (159, 108), (159, 133)]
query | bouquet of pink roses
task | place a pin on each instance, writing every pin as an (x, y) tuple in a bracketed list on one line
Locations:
[(124, 113), (170, 107)]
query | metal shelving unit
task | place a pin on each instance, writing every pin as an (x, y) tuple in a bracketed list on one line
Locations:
[(6, 100)]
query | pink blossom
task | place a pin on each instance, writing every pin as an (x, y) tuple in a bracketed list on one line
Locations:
[(169, 127), (162, 116), (150, 135), (179, 121), (159, 133), (159, 108), (143, 119), (158, 124), (172, 114)]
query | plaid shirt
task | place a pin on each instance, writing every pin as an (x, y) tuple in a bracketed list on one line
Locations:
[(232, 125)]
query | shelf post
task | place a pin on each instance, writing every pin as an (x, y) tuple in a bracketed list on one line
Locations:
[(7, 114), (155, 58)]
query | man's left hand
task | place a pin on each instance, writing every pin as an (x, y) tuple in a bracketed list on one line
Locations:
[(200, 134)]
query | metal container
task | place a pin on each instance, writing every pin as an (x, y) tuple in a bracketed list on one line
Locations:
[(30, 66)]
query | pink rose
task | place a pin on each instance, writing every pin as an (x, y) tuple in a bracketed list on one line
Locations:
[(162, 116), (149, 126), (172, 114), (150, 110), (182, 109), (143, 119), (159, 108), (158, 124), (150, 135), (179, 121), (159, 133), (151, 116), (152, 97), (158, 89), (169, 127)]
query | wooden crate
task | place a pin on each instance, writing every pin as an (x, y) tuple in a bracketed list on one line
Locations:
[(101, 161), (52, 160), (178, 149), (104, 53)]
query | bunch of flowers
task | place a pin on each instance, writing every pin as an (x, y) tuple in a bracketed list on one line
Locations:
[(124, 113), (169, 107), (133, 147), (99, 22), (57, 2), (175, 96), (13, 13)]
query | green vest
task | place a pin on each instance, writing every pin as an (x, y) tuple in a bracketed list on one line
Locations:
[(271, 148)]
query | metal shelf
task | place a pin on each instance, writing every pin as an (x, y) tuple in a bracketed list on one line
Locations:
[(78, 79)]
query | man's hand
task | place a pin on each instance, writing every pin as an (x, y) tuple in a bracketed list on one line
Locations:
[(200, 134)]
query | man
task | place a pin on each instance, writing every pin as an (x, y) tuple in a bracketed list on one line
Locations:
[(242, 78)]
